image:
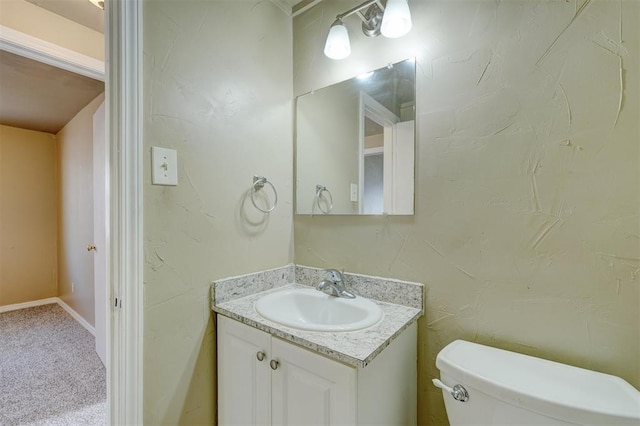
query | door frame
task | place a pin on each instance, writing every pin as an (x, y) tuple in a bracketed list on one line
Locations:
[(31, 47), (123, 38), (374, 110), (100, 230)]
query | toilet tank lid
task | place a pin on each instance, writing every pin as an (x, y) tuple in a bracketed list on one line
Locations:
[(558, 390)]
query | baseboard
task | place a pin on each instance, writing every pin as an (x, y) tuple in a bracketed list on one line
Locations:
[(31, 304), (76, 316)]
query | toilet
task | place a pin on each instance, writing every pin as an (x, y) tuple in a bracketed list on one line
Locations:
[(488, 386)]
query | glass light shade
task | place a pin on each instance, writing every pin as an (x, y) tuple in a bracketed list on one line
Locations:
[(337, 45), (396, 21)]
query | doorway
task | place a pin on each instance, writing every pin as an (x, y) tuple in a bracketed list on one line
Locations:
[(75, 291), (123, 105), (386, 159)]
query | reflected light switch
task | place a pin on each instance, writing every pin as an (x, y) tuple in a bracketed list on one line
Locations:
[(164, 166), (354, 192)]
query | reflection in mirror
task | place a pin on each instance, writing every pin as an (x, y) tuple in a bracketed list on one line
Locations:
[(355, 145)]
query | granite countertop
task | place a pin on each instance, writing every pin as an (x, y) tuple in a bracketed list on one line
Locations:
[(355, 348)]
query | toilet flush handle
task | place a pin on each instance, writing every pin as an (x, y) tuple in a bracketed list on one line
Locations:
[(458, 392)]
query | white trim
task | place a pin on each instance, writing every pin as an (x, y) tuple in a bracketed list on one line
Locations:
[(388, 174), (25, 305), (361, 120), (294, 10), (124, 133), (43, 51), (376, 111), (76, 316), (301, 7), (373, 151)]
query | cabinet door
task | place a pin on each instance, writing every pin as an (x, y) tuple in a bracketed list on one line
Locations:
[(244, 382), (309, 389)]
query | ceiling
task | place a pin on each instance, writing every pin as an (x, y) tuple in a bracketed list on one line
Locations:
[(36, 96), (85, 13), (82, 12)]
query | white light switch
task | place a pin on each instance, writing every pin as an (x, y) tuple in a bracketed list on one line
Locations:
[(354, 192), (164, 166)]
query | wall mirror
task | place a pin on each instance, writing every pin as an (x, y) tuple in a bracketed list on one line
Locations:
[(355, 145)]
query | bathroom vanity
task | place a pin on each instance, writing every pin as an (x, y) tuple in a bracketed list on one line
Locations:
[(264, 377), (269, 373)]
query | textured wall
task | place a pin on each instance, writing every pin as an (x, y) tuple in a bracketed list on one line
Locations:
[(526, 229), (218, 89), (75, 211), (27, 215)]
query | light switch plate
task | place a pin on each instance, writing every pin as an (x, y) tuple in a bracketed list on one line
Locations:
[(164, 166), (354, 192)]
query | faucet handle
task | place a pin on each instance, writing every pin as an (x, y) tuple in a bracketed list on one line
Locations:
[(335, 275)]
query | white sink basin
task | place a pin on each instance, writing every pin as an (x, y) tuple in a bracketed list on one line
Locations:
[(310, 309)]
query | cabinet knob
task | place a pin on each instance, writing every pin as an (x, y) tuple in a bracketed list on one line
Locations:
[(274, 364), (260, 355)]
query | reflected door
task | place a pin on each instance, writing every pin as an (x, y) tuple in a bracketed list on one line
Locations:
[(373, 194)]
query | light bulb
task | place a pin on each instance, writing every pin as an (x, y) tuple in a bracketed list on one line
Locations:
[(396, 21), (337, 45)]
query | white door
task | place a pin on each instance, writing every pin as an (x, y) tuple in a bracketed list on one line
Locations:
[(309, 389), (100, 220), (244, 376), (403, 167)]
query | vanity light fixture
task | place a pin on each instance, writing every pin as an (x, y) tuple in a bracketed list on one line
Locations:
[(391, 21)]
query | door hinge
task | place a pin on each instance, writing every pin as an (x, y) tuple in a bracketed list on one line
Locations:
[(117, 303)]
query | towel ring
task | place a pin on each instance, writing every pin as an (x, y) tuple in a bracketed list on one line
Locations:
[(258, 183), (321, 189)]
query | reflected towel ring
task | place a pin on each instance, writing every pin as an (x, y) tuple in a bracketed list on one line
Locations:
[(321, 189), (258, 183)]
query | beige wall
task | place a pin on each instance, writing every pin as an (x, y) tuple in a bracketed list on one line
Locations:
[(35, 21), (527, 185), (218, 89), (27, 215), (374, 141), (75, 211)]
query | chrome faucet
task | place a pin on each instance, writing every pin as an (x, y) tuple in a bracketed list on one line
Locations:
[(335, 286)]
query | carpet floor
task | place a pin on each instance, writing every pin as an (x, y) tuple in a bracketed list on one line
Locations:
[(50, 373)]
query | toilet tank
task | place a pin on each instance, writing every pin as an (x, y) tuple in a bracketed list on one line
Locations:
[(507, 388)]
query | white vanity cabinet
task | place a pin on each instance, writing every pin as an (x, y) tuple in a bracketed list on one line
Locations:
[(264, 380), (244, 382)]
